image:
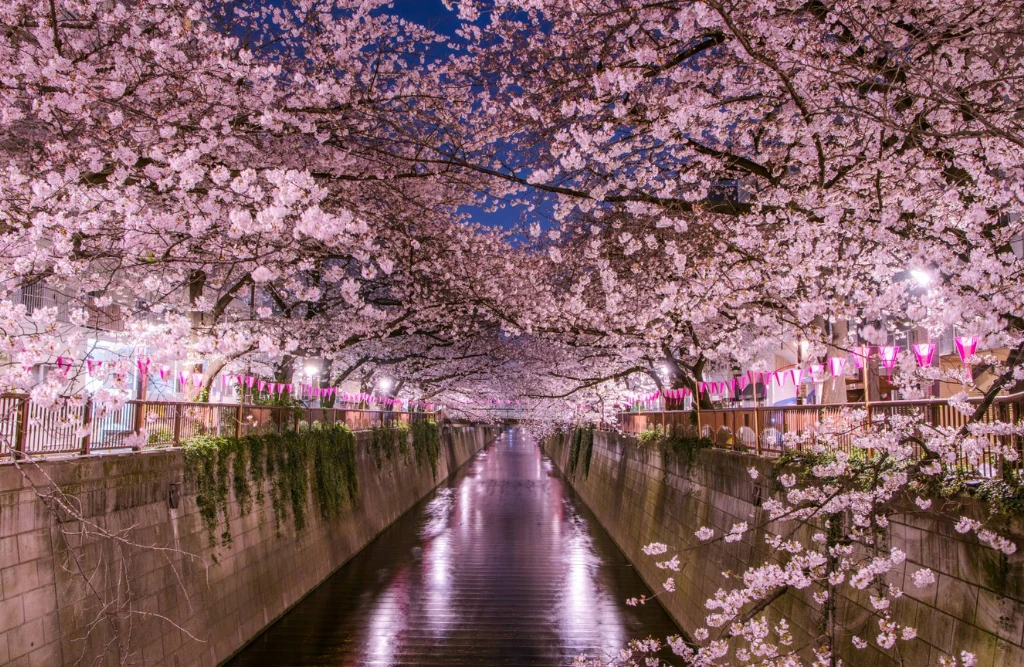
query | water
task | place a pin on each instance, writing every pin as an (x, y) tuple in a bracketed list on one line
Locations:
[(501, 565)]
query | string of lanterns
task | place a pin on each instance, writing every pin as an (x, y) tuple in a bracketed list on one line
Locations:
[(924, 353), (254, 384)]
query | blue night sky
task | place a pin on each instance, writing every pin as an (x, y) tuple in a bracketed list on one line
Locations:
[(432, 14)]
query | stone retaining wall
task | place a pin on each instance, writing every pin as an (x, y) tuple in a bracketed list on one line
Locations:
[(51, 615), (976, 604)]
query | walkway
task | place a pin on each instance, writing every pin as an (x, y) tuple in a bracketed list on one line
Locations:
[(502, 565)]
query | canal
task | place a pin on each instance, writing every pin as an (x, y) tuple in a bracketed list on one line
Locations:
[(500, 565)]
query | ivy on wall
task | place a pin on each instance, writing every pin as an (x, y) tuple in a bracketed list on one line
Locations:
[(681, 445), (426, 442), (581, 450), (385, 440), (287, 461)]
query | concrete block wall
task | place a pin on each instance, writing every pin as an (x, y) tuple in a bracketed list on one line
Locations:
[(976, 604), (168, 606)]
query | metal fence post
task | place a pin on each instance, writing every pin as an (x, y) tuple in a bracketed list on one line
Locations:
[(87, 426), (140, 420), (177, 424), (21, 439), (757, 429)]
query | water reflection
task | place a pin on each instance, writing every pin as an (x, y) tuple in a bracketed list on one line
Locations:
[(500, 566)]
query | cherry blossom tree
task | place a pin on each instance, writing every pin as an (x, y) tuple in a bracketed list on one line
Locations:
[(700, 182)]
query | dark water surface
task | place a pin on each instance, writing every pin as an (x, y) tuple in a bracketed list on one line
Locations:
[(501, 565)]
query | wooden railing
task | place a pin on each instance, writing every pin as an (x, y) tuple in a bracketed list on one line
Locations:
[(85, 427), (762, 430)]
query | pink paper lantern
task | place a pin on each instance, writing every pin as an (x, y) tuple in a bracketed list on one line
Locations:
[(797, 375), (817, 369), (860, 355), (924, 352), (966, 346), (836, 366), (889, 354)]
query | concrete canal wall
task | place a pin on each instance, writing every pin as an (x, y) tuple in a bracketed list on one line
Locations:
[(169, 608), (976, 604)]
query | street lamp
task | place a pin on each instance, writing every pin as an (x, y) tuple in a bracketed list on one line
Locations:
[(921, 277)]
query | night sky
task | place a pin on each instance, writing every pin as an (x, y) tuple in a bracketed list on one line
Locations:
[(432, 14)]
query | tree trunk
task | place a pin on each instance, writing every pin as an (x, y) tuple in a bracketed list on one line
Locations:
[(209, 375), (833, 390)]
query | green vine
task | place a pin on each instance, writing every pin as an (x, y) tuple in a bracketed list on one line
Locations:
[(581, 450), (574, 450), (587, 449), (334, 465), (426, 442), (382, 442), (286, 461)]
